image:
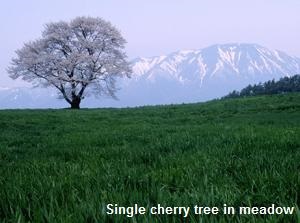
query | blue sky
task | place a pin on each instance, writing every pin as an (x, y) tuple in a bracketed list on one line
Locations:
[(153, 27)]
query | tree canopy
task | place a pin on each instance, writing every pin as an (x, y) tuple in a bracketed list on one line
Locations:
[(78, 58), (283, 85)]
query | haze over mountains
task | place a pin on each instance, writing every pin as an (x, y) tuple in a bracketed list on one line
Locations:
[(180, 77)]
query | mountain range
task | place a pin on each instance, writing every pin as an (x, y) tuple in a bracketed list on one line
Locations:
[(180, 77)]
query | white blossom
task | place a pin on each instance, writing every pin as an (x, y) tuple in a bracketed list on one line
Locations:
[(80, 57)]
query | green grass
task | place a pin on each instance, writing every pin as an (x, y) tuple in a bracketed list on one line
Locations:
[(66, 165)]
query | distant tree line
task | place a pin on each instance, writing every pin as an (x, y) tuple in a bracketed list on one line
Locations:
[(283, 85)]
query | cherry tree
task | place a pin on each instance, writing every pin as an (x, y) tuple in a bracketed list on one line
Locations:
[(79, 58)]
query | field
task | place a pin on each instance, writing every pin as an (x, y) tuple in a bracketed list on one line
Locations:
[(67, 165)]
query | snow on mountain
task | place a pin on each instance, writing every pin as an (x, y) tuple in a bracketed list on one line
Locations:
[(241, 61), (197, 75), (180, 77)]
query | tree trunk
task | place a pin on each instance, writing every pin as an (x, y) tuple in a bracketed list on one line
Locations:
[(75, 104)]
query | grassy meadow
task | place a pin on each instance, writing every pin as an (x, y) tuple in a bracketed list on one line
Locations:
[(67, 165)]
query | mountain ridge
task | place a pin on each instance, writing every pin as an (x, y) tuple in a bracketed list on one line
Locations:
[(212, 59), (184, 76)]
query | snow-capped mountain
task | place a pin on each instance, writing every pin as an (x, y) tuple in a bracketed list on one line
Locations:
[(213, 71), (180, 77), (229, 60)]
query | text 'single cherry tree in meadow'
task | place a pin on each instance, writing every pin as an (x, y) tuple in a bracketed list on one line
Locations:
[(78, 58)]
